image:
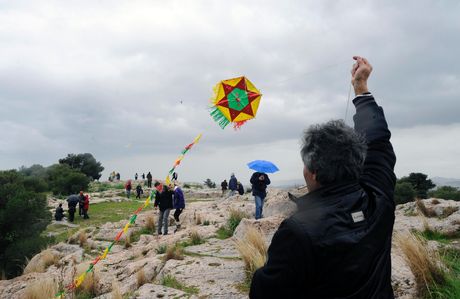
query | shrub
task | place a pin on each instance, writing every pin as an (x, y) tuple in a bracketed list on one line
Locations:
[(140, 278), (84, 163), (161, 249), (206, 223), (42, 289), (195, 238), (404, 192), (150, 223), (427, 212), (235, 219), (253, 251), (175, 252), (209, 183), (41, 262), (420, 183), (426, 265), (82, 238), (116, 293), (23, 216), (446, 192), (64, 180), (198, 219)]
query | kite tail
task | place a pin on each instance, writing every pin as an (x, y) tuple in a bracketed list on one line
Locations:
[(220, 118), (237, 125)]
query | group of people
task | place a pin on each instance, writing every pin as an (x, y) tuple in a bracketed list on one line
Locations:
[(114, 176), (233, 185), (82, 200), (168, 197)]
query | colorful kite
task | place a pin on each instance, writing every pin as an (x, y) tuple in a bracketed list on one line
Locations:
[(235, 101)]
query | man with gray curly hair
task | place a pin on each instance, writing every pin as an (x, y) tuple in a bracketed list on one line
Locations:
[(338, 242)]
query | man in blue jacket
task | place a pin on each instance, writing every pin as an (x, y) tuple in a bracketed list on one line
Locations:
[(338, 242), (259, 181), (232, 185)]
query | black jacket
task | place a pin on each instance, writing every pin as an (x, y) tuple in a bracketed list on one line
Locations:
[(259, 187), (164, 199), (338, 243)]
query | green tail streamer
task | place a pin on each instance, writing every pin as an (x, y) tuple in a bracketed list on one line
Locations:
[(220, 118)]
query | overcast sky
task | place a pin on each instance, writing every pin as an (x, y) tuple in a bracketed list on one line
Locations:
[(130, 81)]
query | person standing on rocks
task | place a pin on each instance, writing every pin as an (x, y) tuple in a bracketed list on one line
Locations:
[(139, 191), (81, 202), (259, 181), (149, 180), (224, 186), (128, 188), (143, 176), (72, 202), (164, 201), (86, 207), (338, 242), (135, 177), (178, 204), (232, 185), (59, 214)]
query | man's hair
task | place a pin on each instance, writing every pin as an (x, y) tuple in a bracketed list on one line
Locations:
[(156, 184), (334, 151)]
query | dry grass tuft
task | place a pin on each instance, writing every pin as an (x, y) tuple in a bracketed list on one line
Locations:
[(116, 293), (150, 223), (82, 238), (90, 284), (41, 262), (425, 264), (128, 241), (42, 289), (449, 211), (427, 212), (196, 238), (253, 250), (140, 278), (174, 253), (435, 201), (198, 219)]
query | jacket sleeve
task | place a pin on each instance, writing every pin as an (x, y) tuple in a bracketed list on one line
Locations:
[(157, 199), (267, 180), (378, 171), (253, 179), (285, 272)]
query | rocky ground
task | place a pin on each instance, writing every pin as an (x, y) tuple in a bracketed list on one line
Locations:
[(212, 269)]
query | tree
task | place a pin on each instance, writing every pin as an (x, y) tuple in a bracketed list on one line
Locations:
[(420, 183), (404, 192), (210, 183), (64, 180), (446, 192), (84, 163), (23, 216)]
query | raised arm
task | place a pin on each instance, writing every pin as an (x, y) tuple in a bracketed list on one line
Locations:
[(370, 121)]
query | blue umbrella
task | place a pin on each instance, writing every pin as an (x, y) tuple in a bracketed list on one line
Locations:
[(263, 166)]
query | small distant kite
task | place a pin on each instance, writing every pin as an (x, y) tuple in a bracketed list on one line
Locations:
[(235, 101)]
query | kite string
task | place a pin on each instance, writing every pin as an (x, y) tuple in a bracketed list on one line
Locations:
[(348, 104)]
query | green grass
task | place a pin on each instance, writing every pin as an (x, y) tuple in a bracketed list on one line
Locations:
[(451, 288), (223, 233), (135, 236), (171, 282), (226, 231), (434, 235), (161, 249), (99, 214)]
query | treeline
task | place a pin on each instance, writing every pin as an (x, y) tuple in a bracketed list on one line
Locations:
[(24, 213), (418, 186)]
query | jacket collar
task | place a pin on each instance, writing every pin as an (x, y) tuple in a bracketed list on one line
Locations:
[(326, 194)]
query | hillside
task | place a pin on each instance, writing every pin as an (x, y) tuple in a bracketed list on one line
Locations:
[(198, 261)]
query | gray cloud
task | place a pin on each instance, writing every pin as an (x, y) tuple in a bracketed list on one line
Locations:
[(108, 77)]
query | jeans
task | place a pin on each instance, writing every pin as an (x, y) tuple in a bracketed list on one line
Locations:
[(128, 193), (259, 206), (163, 220), (231, 193)]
